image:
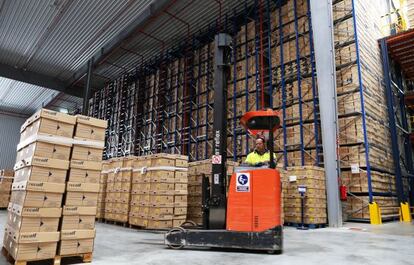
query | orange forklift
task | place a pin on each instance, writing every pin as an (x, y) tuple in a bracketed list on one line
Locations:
[(249, 217)]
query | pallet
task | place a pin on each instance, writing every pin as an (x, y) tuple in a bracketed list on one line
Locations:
[(100, 220), (3, 208), (310, 226), (86, 258), (149, 230), (112, 222)]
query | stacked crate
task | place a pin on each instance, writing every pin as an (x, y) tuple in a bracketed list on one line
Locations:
[(37, 191), (79, 210), (313, 178), (103, 180), (6, 179), (118, 190), (196, 171), (159, 191)]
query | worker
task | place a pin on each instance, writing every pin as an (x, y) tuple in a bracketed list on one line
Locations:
[(260, 155)]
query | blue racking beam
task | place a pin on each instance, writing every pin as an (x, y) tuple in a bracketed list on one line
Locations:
[(269, 53), (299, 80), (361, 93), (314, 94), (256, 57), (246, 91), (282, 65)]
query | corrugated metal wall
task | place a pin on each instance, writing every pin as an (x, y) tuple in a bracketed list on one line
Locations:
[(9, 137)]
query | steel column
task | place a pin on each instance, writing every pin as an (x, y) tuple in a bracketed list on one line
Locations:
[(322, 26)]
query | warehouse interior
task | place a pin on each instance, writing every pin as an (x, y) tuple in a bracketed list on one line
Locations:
[(126, 129)]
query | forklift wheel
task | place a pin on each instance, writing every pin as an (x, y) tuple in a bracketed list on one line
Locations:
[(278, 252), (172, 231), (188, 224)]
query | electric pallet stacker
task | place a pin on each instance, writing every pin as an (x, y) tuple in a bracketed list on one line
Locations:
[(250, 216)]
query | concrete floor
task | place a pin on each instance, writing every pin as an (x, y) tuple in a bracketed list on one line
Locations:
[(391, 243)]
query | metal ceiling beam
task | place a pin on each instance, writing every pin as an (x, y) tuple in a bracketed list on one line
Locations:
[(156, 7), (37, 79)]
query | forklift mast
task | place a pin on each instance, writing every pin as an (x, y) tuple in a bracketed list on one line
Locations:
[(217, 202)]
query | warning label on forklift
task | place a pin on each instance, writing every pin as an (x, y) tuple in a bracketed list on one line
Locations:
[(243, 182)]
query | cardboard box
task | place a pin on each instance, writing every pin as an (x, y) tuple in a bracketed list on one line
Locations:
[(180, 200), (159, 224), (37, 199), (87, 165), (161, 200), (90, 128), (39, 186), (76, 241), (181, 177), (180, 210), (74, 198), (44, 149), (79, 246), (32, 224), (30, 251), (84, 175), (42, 174), (161, 176), (78, 221), (48, 122), (86, 153), (78, 210), (42, 162)]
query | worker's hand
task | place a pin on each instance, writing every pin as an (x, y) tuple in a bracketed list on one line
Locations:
[(261, 164)]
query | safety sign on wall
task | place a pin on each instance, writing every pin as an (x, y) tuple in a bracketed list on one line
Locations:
[(243, 182)]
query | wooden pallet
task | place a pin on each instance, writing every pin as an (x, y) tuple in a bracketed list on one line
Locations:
[(86, 258), (112, 222)]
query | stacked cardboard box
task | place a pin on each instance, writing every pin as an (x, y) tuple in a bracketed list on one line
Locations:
[(159, 191), (37, 191), (103, 179), (313, 178), (6, 179), (79, 210), (118, 189), (196, 171)]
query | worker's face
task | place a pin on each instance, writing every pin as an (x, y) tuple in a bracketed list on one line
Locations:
[(260, 145)]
